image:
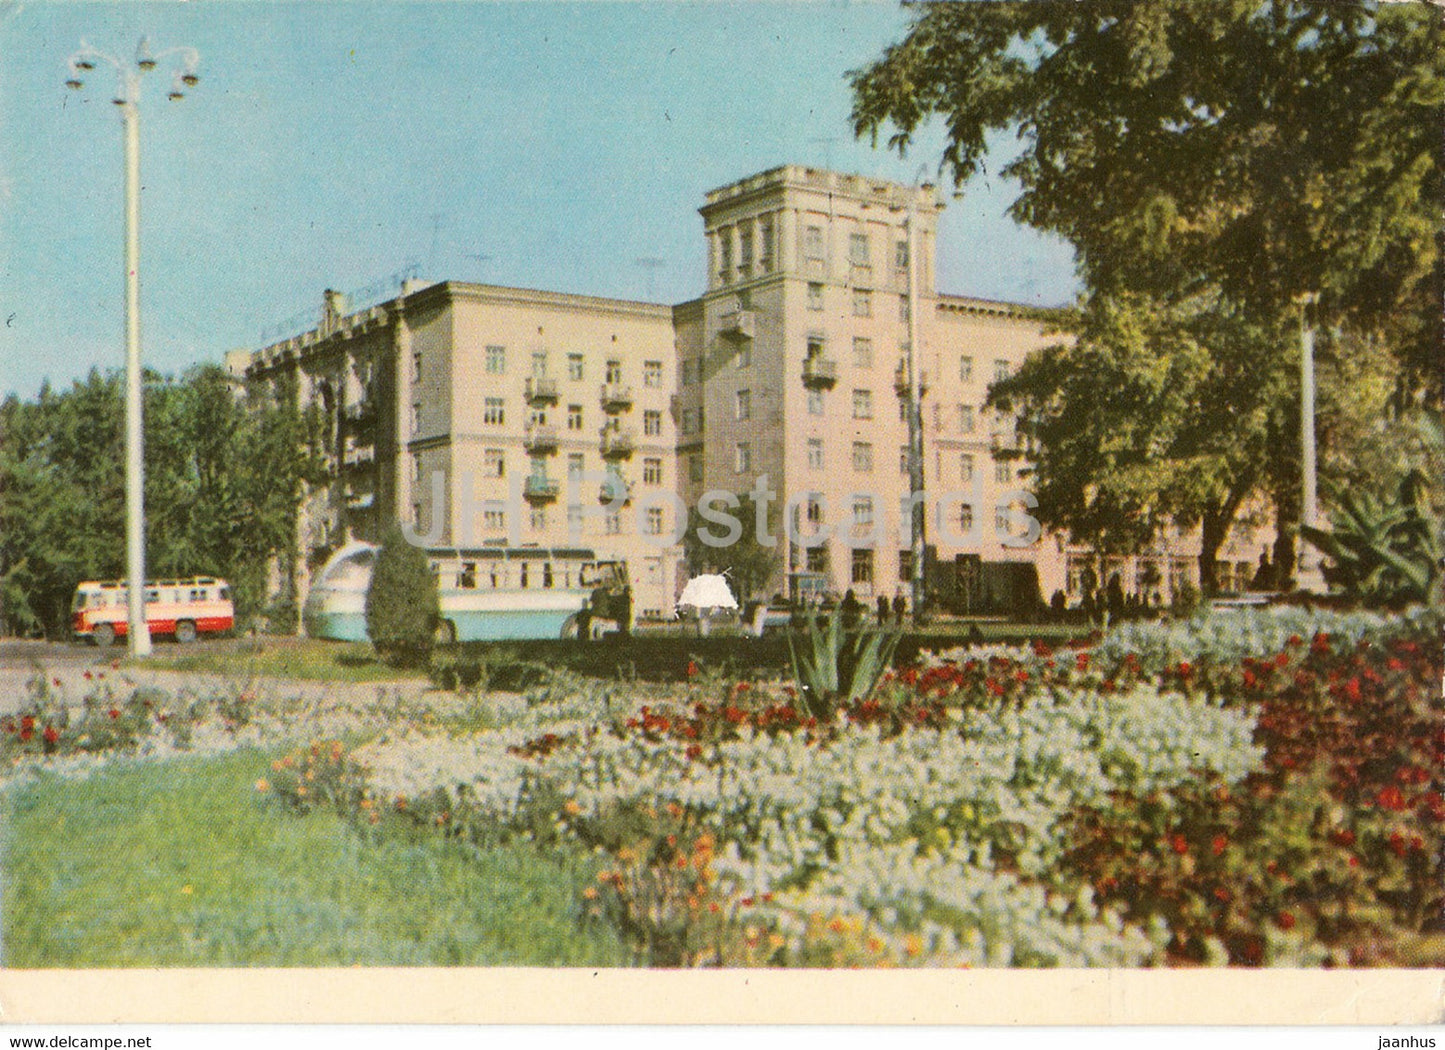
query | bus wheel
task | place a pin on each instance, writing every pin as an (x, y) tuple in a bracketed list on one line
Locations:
[(446, 633), (185, 632), (104, 635)]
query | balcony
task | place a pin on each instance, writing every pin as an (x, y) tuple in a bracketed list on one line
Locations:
[(541, 390), (820, 371), (541, 489), (616, 487), (616, 397), (540, 439), (360, 416), (900, 381), (737, 324), (618, 444)]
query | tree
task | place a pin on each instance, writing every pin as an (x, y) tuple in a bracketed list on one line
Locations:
[(750, 565), (1147, 416), (402, 604), (1267, 149), (1230, 156)]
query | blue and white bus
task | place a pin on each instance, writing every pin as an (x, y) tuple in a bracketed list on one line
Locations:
[(487, 593)]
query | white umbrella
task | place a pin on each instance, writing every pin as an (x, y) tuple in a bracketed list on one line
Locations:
[(707, 592)]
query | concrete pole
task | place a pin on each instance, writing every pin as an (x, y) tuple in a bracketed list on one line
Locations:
[(1310, 577), (919, 508), (139, 631)]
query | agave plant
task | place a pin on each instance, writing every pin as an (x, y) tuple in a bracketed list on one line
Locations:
[(1385, 553), (835, 664)]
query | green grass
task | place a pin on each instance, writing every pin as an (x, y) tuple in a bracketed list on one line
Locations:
[(184, 864), (305, 658)]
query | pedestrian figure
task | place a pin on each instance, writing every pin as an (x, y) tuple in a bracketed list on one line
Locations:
[(584, 622), (883, 610), (900, 608), (851, 610)]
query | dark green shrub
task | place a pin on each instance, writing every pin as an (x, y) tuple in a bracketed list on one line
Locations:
[(402, 607)]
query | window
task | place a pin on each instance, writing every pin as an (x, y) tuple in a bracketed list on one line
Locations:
[(815, 402), (863, 511), (815, 453), (694, 468), (815, 511), (744, 357), (765, 243), (905, 566), (539, 518), (1000, 369), (689, 420), (496, 360), (965, 418), (1002, 472), (576, 464), (494, 411), (575, 520), (862, 352), (416, 515), (539, 467), (494, 462), (862, 303), (494, 519), (574, 417), (743, 457), (537, 417), (900, 256), (818, 559), (905, 311), (416, 367), (652, 373), (863, 568), (724, 251), (416, 417), (965, 518), (416, 470), (1001, 521), (574, 367), (815, 297), (612, 523), (903, 459), (965, 467), (862, 404), (813, 242), (965, 368), (539, 364), (654, 521), (862, 456), (858, 249), (745, 247), (743, 405), (614, 372), (687, 364), (652, 472), (652, 422)]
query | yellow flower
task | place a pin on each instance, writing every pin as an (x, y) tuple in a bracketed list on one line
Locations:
[(913, 944), (186, 890), (572, 807), (837, 926), (262, 785), (590, 893)]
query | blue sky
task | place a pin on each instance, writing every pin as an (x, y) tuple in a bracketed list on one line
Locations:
[(534, 144)]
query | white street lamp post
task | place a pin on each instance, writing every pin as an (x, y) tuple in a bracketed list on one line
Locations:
[(1310, 576), (127, 97)]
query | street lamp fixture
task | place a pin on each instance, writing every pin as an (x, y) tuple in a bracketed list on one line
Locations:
[(127, 97)]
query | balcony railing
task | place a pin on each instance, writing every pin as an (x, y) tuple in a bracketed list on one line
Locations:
[(617, 444), (540, 439), (539, 488), (900, 381), (615, 488), (820, 371), (738, 324), (540, 389), (616, 397)]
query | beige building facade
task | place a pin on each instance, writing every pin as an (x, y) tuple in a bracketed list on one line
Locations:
[(480, 415)]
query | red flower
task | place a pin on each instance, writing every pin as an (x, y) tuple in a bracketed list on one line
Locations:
[(1081, 661), (114, 712), (1295, 641), (1391, 798), (1249, 679), (1281, 660), (27, 723), (1221, 894), (694, 751), (1321, 644), (55, 682), (692, 668), (1398, 844), (88, 676), (1352, 689), (742, 687), (51, 735), (26, 733), (1219, 845), (1185, 669), (1343, 837), (1354, 861), (1395, 664), (1179, 844), (1285, 920)]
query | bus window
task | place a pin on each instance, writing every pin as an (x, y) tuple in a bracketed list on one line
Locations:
[(547, 574), (524, 576), (469, 575), (153, 595), (225, 595)]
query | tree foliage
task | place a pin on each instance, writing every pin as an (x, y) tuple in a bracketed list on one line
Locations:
[(1267, 150), (750, 565), (223, 483), (402, 603)]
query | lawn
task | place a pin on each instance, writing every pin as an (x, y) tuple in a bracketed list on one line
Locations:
[(185, 864), (305, 658)]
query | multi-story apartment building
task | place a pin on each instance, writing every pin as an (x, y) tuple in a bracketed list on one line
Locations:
[(452, 402)]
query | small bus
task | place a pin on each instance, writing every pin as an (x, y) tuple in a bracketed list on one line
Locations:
[(184, 609)]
